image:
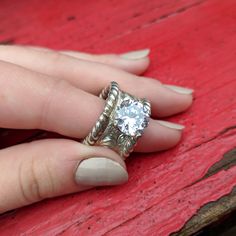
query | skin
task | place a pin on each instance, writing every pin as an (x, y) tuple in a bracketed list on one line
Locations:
[(57, 91)]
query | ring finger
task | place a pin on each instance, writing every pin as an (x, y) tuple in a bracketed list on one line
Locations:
[(31, 100)]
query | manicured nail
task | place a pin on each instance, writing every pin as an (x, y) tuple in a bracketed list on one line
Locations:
[(171, 125), (135, 55), (179, 89), (100, 171)]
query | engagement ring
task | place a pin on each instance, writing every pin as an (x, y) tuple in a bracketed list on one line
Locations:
[(122, 122)]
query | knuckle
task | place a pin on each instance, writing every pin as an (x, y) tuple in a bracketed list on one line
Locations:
[(108, 59), (35, 181), (28, 182), (56, 58), (50, 102)]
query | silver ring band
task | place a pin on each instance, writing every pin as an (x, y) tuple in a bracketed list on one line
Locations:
[(121, 123)]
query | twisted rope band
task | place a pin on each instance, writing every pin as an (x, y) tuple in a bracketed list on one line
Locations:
[(110, 94)]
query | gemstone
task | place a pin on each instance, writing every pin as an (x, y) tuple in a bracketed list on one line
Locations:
[(131, 117)]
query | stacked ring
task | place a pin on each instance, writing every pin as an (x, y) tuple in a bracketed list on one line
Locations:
[(121, 123)]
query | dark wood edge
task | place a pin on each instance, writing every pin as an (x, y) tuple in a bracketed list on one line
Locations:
[(213, 211)]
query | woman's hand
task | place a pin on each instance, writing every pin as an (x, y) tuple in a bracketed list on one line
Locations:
[(57, 91)]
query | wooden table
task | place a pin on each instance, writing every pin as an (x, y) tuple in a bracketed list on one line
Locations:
[(193, 43)]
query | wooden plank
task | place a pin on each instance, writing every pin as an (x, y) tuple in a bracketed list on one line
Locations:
[(193, 44), (212, 212), (51, 24)]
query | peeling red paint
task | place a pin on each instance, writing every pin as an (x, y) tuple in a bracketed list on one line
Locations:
[(193, 44)]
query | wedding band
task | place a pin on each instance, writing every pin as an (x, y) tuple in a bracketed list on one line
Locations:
[(121, 123)]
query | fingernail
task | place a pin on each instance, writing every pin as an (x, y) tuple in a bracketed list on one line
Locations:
[(135, 55), (100, 171), (179, 89), (171, 125)]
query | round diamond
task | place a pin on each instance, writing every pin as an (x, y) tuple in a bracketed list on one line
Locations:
[(131, 117)]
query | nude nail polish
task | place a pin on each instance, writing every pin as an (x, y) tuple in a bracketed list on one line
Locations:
[(136, 55), (179, 89), (100, 171), (171, 125)]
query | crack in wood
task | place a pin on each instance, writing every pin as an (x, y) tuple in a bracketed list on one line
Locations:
[(77, 223), (213, 211), (221, 133), (178, 11), (209, 214), (227, 161), (159, 19)]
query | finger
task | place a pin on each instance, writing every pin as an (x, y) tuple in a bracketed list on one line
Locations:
[(48, 168), (135, 62), (93, 77), (29, 100), (160, 135)]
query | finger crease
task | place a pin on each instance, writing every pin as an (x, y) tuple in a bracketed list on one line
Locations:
[(46, 106), (21, 184)]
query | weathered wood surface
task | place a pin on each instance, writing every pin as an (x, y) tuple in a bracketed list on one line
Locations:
[(193, 44)]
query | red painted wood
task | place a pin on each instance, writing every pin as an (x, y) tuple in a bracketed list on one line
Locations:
[(193, 44)]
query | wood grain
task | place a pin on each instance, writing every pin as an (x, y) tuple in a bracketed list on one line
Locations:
[(210, 213), (193, 43)]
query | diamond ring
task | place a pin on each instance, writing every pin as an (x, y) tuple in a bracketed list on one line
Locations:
[(121, 123)]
